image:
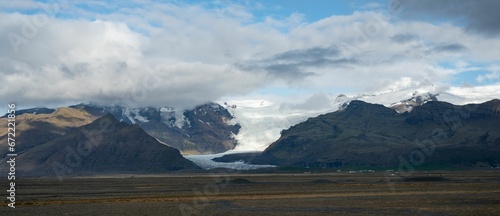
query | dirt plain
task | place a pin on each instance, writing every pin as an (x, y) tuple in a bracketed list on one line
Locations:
[(378, 193)]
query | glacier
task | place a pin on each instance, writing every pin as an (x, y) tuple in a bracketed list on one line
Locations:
[(262, 120), (206, 162)]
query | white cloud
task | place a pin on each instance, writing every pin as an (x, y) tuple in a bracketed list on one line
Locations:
[(182, 55), (494, 74)]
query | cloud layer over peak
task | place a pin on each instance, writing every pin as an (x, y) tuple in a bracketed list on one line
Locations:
[(150, 53)]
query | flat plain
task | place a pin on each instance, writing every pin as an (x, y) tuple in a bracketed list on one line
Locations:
[(378, 193)]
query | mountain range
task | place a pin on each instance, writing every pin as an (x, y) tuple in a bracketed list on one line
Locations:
[(262, 120), (351, 132), (205, 129), (103, 146), (374, 135), (34, 128)]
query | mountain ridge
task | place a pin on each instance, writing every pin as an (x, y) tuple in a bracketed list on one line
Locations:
[(104, 146), (368, 134), (205, 129)]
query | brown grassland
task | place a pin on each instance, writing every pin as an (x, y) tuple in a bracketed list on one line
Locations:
[(443, 193)]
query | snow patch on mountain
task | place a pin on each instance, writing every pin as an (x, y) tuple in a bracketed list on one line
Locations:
[(417, 99), (162, 142), (181, 120), (138, 116), (173, 117), (126, 113)]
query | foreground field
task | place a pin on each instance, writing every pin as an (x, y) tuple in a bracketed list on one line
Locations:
[(437, 193)]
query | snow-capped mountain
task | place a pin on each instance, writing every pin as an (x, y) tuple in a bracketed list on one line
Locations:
[(167, 115), (417, 99), (247, 125), (262, 121), (205, 129), (375, 135), (252, 125)]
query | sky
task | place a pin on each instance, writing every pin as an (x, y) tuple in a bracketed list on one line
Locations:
[(185, 53)]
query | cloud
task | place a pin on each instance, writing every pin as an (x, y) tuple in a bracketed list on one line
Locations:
[(454, 47), (299, 63), (478, 16), (319, 101), (182, 55), (106, 62), (492, 76), (487, 77), (403, 38)]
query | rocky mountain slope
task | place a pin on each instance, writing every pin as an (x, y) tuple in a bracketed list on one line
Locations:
[(375, 135), (103, 146), (34, 128), (205, 129)]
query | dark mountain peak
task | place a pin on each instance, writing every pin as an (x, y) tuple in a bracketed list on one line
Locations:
[(108, 119), (494, 104), (354, 105), (359, 103), (103, 146), (105, 123), (208, 107), (370, 134), (109, 116), (209, 124), (77, 106), (435, 107), (358, 107), (438, 104), (203, 129), (497, 101), (445, 108)]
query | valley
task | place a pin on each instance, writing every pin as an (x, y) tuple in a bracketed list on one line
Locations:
[(297, 193), (263, 107)]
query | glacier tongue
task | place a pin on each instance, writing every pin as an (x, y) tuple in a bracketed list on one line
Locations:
[(206, 162), (262, 121)]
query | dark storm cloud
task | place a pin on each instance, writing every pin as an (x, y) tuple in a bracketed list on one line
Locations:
[(449, 48), (479, 16), (295, 64), (455, 47), (307, 54)]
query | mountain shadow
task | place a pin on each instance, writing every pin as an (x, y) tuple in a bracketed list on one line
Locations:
[(103, 146)]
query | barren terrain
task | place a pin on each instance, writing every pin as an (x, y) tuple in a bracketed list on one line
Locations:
[(436, 193)]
